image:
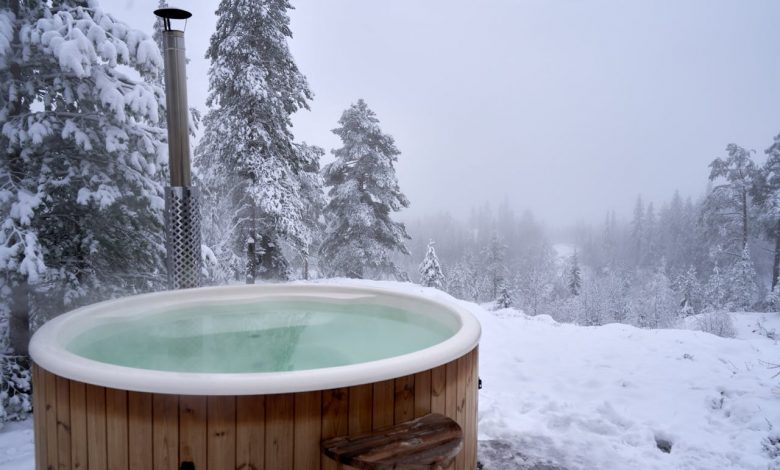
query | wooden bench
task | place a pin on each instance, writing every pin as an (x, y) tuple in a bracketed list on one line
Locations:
[(427, 443)]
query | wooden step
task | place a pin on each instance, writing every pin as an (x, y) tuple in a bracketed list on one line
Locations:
[(427, 443)]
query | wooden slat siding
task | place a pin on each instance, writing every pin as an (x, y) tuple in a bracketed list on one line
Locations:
[(383, 404), (165, 432), (78, 426), (279, 428), (308, 431), (63, 423), (422, 393), (335, 419), (464, 370), (250, 432), (221, 432), (193, 434), (39, 416), (438, 390), (404, 399), (116, 429), (360, 408), (470, 430), (96, 427), (139, 429)]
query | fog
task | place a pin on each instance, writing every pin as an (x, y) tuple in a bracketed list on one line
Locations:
[(568, 108)]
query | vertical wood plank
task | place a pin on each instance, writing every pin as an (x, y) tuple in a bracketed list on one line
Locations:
[(383, 404), (63, 423), (139, 428), (96, 426), (360, 408), (165, 431), (470, 431), (39, 416), (221, 432), (439, 390), (193, 432), (51, 418), (250, 431), (116, 429), (78, 425), (422, 393), (464, 370), (307, 433), (450, 389), (335, 419), (279, 414), (404, 398)]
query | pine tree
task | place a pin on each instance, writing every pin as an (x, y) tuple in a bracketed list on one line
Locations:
[(80, 193), (728, 206), (575, 277), (360, 235), (740, 278), (430, 271), (638, 230), (247, 152), (766, 194)]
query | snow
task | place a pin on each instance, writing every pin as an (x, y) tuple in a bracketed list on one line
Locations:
[(603, 397)]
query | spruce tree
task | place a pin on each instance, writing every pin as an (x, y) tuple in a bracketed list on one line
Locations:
[(741, 282), (247, 152), (430, 271), (80, 194), (361, 236)]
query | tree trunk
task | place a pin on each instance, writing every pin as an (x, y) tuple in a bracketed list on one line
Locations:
[(305, 273), (744, 220), (776, 264), (251, 258), (19, 321)]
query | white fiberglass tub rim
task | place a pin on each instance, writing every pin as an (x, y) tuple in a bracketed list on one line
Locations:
[(47, 346)]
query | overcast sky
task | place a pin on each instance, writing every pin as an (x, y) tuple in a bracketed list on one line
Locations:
[(568, 108)]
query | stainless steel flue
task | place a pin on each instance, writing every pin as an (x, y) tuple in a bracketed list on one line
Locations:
[(182, 214)]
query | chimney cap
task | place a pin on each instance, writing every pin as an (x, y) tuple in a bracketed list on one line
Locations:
[(172, 13)]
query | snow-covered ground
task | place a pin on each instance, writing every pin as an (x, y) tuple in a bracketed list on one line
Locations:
[(605, 397)]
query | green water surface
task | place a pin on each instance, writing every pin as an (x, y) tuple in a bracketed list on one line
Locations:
[(266, 336)]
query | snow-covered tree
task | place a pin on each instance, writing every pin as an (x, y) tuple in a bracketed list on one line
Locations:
[(360, 235), (766, 194), (494, 263), (716, 292), (247, 152), (656, 306), (504, 299), (727, 211), (574, 281), (462, 280), (741, 282), (431, 274), (689, 291), (80, 194)]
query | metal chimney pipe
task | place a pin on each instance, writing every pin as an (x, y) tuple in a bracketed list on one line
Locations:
[(182, 214)]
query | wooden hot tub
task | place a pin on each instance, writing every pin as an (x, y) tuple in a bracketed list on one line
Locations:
[(124, 418)]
